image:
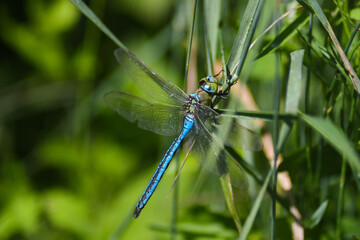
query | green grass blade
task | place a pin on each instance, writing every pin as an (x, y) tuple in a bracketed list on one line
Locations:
[(322, 18), (294, 84), (292, 97), (243, 38), (287, 33), (253, 172), (254, 210), (190, 43), (212, 10), (317, 216), (335, 136), (91, 15), (223, 62), (274, 23), (260, 115), (226, 181), (340, 203), (293, 92), (175, 202), (119, 231), (277, 86), (230, 203)]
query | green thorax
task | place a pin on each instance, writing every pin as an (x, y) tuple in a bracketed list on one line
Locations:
[(203, 95)]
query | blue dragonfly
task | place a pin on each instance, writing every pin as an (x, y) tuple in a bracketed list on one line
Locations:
[(190, 117)]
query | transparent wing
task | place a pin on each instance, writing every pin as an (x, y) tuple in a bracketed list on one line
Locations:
[(158, 118), (210, 152), (150, 82), (229, 131)]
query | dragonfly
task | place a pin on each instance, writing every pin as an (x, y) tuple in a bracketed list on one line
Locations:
[(171, 111)]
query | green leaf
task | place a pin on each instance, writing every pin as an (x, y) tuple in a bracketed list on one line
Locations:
[(243, 38), (91, 15), (261, 115), (198, 230), (212, 9), (317, 216), (322, 18), (287, 33), (229, 198), (355, 14), (335, 136), (251, 217), (292, 94), (294, 84)]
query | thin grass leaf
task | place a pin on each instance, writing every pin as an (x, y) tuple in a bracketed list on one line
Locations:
[(212, 10), (119, 231), (254, 210), (317, 216), (336, 60), (91, 15), (322, 18), (273, 24), (197, 230), (277, 85), (175, 201), (243, 39), (313, 46), (251, 170), (226, 181), (223, 62), (260, 115), (293, 92), (335, 136), (190, 43), (287, 33), (294, 84), (229, 198), (340, 204)]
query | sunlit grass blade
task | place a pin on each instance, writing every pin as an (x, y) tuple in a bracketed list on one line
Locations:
[(243, 39), (175, 201), (287, 33), (322, 18), (91, 15), (292, 94), (293, 91), (229, 198), (317, 216), (226, 182), (273, 24), (335, 136), (197, 230), (223, 62), (212, 10), (260, 115), (251, 170), (191, 35), (255, 208), (292, 98)]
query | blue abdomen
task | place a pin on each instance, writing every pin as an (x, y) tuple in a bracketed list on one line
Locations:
[(160, 170)]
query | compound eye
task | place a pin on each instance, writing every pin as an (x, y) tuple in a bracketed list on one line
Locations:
[(208, 79), (211, 87)]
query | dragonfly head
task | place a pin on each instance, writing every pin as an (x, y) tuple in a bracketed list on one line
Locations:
[(209, 84)]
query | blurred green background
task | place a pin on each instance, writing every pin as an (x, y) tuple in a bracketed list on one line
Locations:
[(71, 168)]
